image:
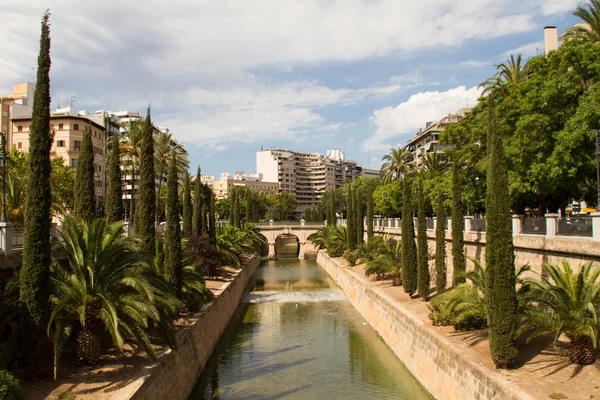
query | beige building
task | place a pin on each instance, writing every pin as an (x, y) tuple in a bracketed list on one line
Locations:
[(19, 103), (221, 187), (68, 135), (426, 141)]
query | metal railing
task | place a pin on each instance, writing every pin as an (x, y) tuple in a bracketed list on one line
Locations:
[(534, 226), (574, 226), (478, 225)]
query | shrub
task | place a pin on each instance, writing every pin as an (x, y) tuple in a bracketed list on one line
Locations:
[(463, 308), (352, 257), (440, 314), (9, 386)]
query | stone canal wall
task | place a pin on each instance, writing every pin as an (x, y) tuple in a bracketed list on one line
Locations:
[(444, 372), (176, 373)]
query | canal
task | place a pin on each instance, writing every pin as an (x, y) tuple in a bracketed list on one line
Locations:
[(295, 336)]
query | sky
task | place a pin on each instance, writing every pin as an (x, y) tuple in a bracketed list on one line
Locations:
[(228, 77)]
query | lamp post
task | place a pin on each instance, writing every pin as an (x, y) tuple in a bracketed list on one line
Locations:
[(4, 166)]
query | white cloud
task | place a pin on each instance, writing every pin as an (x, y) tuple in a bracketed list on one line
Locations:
[(527, 50), (409, 116), (550, 7), (475, 64)]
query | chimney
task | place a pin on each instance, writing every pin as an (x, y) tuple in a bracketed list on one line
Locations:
[(550, 39)]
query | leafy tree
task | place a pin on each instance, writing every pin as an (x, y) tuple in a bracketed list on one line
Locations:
[(146, 202), (500, 261), (187, 204), (440, 246), (114, 198), (423, 277), (36, 247), (458, 227), (387, 199), (409, 247), (332, 217), (370, 233), (84, 181), (130, 147), (332, 238), (62, 183), (397, 164), (235, 203), (164, 146), (198, 218), (173, 252)]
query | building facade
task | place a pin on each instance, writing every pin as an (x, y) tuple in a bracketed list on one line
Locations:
[(17, 104), (254, 182)]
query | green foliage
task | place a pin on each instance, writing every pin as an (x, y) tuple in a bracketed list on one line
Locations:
[(332, 217), (212, 223), (501, 280), (173, 252), (233, 243), (84, 180), (352, 257), (280, 206), (10, 387), (107, 282), (114, 198), (590, 15), (423, 278), (351, 218), (187, 203), (397, 163), (34, 274), (360, 233), (409, 247), (332, 238), (385, 259), (370, 233), (565, 302), (458, 226), (199, 203), (388, 199), (146, 194), (440, 246)]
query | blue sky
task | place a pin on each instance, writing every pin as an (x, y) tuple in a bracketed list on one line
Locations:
[(230, 76)]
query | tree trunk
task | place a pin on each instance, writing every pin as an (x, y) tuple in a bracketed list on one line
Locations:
[(582, 352), (87, 342)]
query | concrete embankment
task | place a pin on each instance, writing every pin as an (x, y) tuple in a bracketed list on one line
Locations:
[(176, 373), (444, 371)]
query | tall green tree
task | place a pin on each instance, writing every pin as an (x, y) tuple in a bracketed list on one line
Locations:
[(409, 247), (331, 216), (173, 253), (440, 246), (212, 223), (370, 233), (114, 197), (236, 210), (232, 207), (458, 227), (351, 218), (34, 282), (146, 194), (423, 277), (187, 203), (197, 217), (84, 180), (360, 231), (499, 252)]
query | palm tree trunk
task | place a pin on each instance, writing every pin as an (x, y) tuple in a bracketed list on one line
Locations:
[(582, 352), (87, 342)]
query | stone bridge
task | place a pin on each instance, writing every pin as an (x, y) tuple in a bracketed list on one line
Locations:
[(272, 230)]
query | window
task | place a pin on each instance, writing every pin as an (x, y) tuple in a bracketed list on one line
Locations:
[(74, 162), (75, 127), (20, 128), (99, 168), (20, 145), (60, 143), (77, 145), (60, 127)]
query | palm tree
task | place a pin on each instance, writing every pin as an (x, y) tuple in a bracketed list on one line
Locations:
[(130, 144), (566, 302), (332, 238), (164, 146), (107, 284), (434, 164), (387, 261), (233, 243), (589, 31), (512, 71), (397, 164), (16, 191)]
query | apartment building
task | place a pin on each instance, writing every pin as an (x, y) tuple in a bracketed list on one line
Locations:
[(254, 182), (17, 104), (307, 176), (68, 135), (427, 140)]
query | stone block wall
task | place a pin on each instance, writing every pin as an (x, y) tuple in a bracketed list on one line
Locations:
[(176, 373), (443, 371)]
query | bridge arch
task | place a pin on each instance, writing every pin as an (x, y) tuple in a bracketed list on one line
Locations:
[(273, 231)]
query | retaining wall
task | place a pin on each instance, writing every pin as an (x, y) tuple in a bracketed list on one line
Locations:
[(445, 372), (176, 373)]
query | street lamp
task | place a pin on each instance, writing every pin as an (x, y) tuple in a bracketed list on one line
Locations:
[(4, 167)]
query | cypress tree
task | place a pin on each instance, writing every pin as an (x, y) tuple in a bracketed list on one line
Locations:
[(360, 232), (458, 227), (173, 265), (34, 274), (236, 212), (351, 232), (84, 180), (197, 216), (440, 246), (370, 233), (332, 219), (146, 195), (187, 204), (249, 207), (423, 277), (232, 206), (408, 245), (501, 294), (212, 228), (114, 198), (205, 216)]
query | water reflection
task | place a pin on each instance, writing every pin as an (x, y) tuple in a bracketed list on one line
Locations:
[(302, 350)]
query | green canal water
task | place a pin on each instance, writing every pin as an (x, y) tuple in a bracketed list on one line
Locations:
[(295, 336)]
